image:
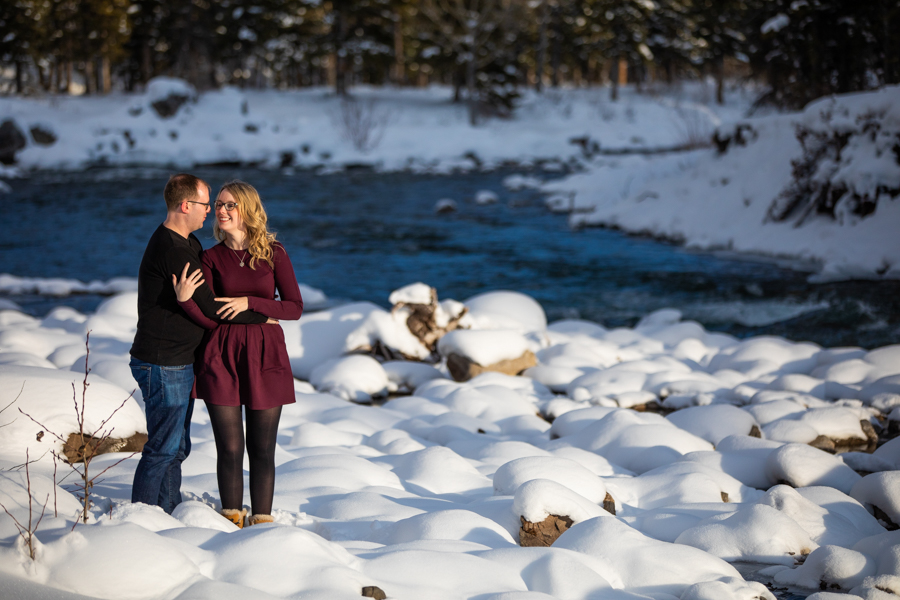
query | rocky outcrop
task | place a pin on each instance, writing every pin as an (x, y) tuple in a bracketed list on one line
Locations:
[(609, 505), (464, 369), (430, 321), (77, 447), (11, 141), (167, 107), (373, 591), (445, 206), (544, 533), (837, 445), (42, 137), (740, 135)]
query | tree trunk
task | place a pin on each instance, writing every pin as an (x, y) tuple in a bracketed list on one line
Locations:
[(146, 64), (891, 70), (541, 50), (470, 89), (20, 87), (65, 77), (107, 74), (98, 66), (89, 77), (614, 79), (399, 74), (340, 60), (719, 72), (43, 80), (555, 55)]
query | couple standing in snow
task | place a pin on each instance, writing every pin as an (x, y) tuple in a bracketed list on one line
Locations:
[(219, 317)]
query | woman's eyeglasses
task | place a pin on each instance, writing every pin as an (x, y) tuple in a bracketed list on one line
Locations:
[(227, 205)]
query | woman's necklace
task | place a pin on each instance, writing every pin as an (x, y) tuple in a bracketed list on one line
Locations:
[(240, 258)]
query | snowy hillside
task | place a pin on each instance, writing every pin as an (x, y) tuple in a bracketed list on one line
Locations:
[(818, 186), (389, 128)]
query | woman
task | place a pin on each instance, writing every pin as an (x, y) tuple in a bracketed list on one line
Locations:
[(244, 365)]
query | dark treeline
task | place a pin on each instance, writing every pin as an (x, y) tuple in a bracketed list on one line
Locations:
[(486, 49)]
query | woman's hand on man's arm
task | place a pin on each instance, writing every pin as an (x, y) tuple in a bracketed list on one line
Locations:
[(232, 307), (185, 286)]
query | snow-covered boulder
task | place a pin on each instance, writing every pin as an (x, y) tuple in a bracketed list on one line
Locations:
[(357, 377)]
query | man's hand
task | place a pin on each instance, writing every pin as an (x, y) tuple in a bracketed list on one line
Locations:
[(184, 287), (232, 307)]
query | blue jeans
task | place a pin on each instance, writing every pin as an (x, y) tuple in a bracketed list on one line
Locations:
[(169, 406)]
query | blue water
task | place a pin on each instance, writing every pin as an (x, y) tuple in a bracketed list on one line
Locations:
[(360, 235)]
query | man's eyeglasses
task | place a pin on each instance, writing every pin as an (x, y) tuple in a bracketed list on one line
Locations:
[(227, 205), (206, 204)]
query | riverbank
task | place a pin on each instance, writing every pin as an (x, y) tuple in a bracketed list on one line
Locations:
[(818, 186)]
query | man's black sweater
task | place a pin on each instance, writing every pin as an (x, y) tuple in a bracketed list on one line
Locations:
[(166, 335)]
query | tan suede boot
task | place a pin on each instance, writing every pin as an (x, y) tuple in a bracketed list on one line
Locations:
[(235, 516), (257, 519)]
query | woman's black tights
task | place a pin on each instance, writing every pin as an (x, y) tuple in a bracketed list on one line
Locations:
[(262, 430)]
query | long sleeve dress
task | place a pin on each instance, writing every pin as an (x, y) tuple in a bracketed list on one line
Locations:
[(247, 364)]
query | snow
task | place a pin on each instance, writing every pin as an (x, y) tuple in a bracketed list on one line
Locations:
[(776, 23), (484, 347), (830, 566), (423, 496), (881, 490), (710, 201), (48, 395), (568, 474), (757, 533), (414, 293), (409, 494)]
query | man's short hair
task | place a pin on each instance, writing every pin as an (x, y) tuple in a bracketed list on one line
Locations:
[(181, 187)]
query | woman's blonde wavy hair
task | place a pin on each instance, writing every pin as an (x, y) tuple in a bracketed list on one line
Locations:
[(253, 214)]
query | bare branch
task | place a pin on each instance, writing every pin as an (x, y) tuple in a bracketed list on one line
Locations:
[(28, 462), (121, 460), (113, 413), (44, 427), (11, 403)]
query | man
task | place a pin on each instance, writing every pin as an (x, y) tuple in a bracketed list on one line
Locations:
[(162, 355)]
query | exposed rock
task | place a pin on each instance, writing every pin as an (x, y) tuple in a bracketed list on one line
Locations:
[(724, 496), (373, 591), (11, 141), (75, 449), (885, 519), (445, 205), (837, 445), (609, 505), (42, 137), (464, 369), (588, 146), (653, 407), (740, 136), (871, 435), (823, 442), (755, 432), (168, 106), (429, 322), (544, 533)]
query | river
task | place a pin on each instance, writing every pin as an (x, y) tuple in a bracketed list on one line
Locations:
[(358, 235)]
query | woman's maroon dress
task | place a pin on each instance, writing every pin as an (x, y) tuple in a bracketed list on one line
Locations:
[(247, 364)]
